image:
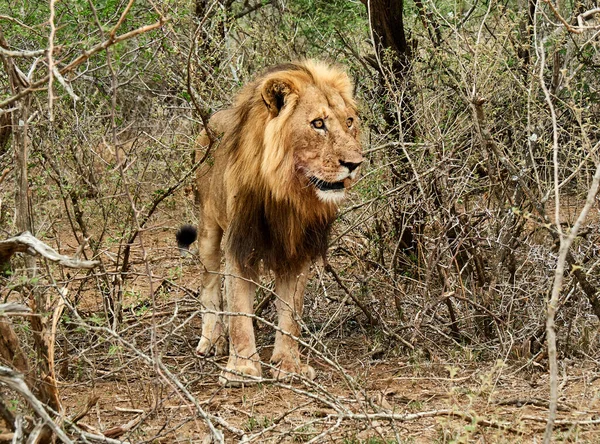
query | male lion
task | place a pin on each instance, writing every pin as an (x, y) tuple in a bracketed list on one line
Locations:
[(288, 150)]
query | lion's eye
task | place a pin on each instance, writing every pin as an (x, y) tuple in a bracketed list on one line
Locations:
[(318, 124), (349, 122)]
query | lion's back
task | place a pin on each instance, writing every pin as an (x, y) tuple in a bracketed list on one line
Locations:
[(212, 193)]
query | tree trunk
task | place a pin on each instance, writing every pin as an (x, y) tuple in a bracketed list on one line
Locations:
[(392, 61), (20, 141), (387, 23), (23, 215)]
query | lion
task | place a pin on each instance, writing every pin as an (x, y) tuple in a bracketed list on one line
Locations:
[(288, 151)]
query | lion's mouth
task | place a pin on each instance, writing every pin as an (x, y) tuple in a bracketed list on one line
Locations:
[(326, 186)]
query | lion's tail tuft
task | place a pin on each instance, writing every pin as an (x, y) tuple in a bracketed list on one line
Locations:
[(185, 236)]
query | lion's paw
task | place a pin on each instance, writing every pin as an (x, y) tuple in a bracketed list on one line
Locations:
[(243, 373), (207, 348), (288, 368)]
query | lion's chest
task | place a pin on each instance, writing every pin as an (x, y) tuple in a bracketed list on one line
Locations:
[(279, 235)]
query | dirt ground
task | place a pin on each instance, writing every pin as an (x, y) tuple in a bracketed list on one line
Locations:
[(399, 401)]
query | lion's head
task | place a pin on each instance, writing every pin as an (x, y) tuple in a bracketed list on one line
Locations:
[(306, 126)]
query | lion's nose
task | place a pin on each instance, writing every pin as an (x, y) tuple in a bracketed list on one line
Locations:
[(350, 165)]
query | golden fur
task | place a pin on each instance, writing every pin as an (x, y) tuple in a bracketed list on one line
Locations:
[(288, 149)]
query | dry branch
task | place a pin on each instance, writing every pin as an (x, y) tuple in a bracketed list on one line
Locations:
[(91, 402), (115, 432), (27, 243), (564, 422), (15, 382), (520, 402), (13, 308), (10, 350), (372, 319), (449, 413)]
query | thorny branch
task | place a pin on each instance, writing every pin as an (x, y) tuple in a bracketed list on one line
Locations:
[(112, 40)]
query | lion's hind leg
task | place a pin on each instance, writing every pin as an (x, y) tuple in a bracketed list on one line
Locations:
[(214, 333), (286, 358)]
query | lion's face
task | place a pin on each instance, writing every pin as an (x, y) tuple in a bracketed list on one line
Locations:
[(312, 138), (324, 134)]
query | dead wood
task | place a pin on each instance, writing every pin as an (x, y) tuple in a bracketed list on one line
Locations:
[(14, 308), (117, 431), (14, 381), (543, 403), (447, 413), (10, 350), (563, 422), (91, 402), (27, 243)]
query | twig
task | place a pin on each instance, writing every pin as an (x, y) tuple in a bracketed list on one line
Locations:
[(253, 8), (91, 402), (372, 320), (126, 410), (36, 86), (580, 18), (475, 304)]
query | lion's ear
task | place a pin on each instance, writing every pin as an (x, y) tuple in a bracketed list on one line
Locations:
[(274, 93)]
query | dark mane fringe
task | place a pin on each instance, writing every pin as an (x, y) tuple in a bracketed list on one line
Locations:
[(275, 233)]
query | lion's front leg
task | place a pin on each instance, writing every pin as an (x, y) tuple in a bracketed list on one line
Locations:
[(286, 358), (243, 357)]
